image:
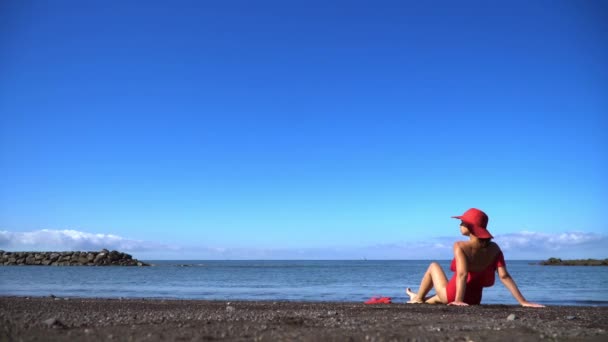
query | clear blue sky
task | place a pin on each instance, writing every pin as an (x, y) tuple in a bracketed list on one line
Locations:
[(289, 125)]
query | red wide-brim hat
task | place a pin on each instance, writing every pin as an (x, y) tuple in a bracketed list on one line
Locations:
[(477, 222)]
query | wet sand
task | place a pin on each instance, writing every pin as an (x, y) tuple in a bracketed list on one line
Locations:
[(61, 319)]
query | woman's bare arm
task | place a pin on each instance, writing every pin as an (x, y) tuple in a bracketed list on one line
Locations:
[(462, 270), (509, 283)]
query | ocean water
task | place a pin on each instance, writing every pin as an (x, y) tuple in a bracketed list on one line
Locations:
[(340, 281)]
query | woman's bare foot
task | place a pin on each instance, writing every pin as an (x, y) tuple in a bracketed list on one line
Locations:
[(413, 297)]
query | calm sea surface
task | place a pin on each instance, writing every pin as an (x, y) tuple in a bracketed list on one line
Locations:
[(349, 281)]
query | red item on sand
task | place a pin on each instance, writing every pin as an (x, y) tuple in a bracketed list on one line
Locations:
[(379, 300)]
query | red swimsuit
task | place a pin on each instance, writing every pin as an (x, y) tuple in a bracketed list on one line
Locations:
[(476, 281)]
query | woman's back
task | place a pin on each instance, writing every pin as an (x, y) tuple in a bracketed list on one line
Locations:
[(479, 257)]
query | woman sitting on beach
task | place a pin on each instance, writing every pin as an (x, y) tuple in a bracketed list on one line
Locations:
[(474, 264)]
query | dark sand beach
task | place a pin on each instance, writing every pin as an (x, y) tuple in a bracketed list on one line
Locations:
[(69, 319)]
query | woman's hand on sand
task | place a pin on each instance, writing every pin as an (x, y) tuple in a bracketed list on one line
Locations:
[(532, 305), (458, 303)]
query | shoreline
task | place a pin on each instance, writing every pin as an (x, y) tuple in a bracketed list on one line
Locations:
[(396, 300), (77, 318)]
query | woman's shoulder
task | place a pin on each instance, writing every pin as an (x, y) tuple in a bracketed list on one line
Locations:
[(460, 244), (495, 252), (495, 247)]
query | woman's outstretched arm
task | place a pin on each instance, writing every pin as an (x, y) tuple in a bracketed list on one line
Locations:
[(509, 283), (462, 272)]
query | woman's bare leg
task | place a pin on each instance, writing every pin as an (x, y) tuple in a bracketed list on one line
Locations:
[(434, 277), (433, 300)]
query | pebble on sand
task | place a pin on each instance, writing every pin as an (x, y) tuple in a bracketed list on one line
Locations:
[(53, 323), (511, 317)]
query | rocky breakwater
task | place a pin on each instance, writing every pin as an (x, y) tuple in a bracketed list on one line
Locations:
[(575, 262), (101, 258)]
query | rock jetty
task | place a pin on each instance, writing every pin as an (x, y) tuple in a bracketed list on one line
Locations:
[(101, 258), (577, 262)]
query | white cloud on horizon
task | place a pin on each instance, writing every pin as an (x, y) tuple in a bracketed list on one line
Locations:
[(68, 239), (521, 245), (557, 241), (528, 244)]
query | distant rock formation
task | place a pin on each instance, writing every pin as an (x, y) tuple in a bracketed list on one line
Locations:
[(101, 258), (577, 262)]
